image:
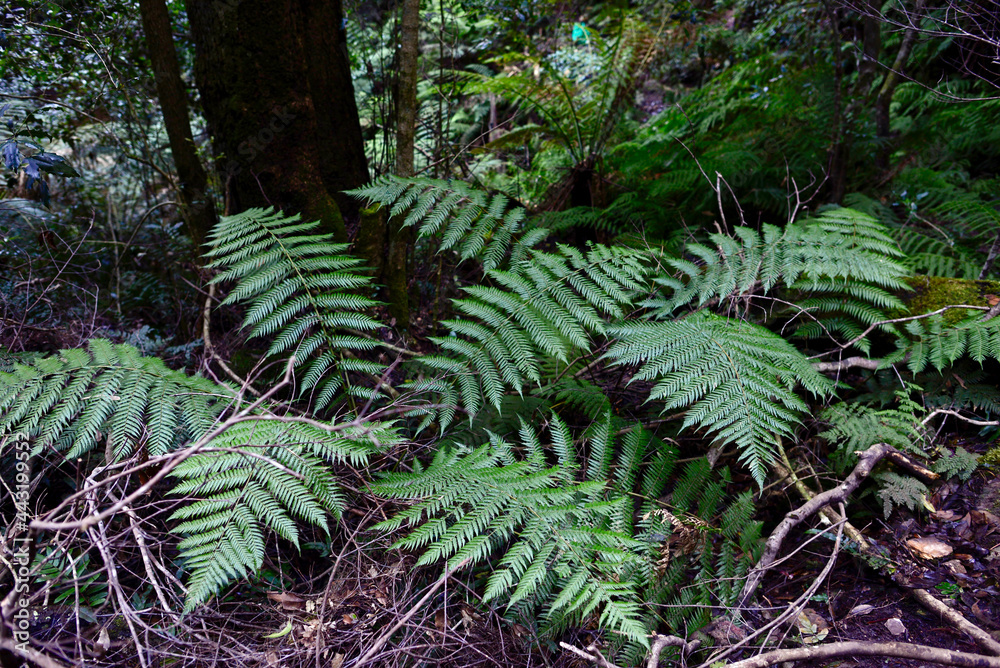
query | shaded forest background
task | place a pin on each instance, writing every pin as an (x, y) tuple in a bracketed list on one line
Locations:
[(474, 332)]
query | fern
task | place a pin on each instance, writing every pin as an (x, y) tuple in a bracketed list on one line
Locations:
[(300, 290), (563, 518), (568, 548), (261, 473), (960, 463), (471, 222), (579, 116), (932, 342), (842, 261), (899, 490), (735, 379), (73, 401), (856, 427), (547, 306)]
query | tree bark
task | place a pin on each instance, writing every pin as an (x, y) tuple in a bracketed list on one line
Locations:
[(275, 83), (197, 209), (396, 274), (892, 79)]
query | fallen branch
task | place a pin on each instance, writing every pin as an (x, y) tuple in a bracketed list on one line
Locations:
[(925, 598), (956, 619), (866, 462), (592, 655), (659, 642), (848, 363), (945, 657)]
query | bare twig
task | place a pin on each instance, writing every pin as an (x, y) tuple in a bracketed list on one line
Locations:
[(206, 336), (944, 411), (384, 638), (849, 363)]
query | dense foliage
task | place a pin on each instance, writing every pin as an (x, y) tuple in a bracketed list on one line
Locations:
[(659, 258)]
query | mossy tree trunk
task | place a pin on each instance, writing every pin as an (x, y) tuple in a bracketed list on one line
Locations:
[(198, 210), (275, 83), (396, 275)]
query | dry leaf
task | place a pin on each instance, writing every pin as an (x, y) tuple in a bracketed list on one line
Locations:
[(103, 643), (338, 661), (350, 619), (812, 626), (895, 626), (287, 600), (469, 615), (272, 659), (929, 548), (956, 567), (725, 631), (440, 621), (862, 609)]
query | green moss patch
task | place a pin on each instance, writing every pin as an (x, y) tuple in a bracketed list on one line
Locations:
[(931, 293)]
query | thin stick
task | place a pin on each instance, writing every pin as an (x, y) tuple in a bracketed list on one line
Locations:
[(384, 638)]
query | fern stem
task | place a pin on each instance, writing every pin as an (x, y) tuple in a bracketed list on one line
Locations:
[(206, 335)]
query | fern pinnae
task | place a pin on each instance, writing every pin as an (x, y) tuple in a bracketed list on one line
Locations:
[(298, 287)]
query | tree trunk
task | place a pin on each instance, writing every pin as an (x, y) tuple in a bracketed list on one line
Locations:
[(275, 83), (892, 79), (396, 274), (197, 209)]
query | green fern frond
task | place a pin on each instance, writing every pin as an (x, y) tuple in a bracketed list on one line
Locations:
[(736, 380), (856, 427), (258, 474), (73, 400), (844, 257), (551, 305), (933, 342), (561, 553), (473, 223), (301, 292)]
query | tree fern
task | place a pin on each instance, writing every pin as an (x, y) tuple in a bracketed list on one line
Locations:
[(261, 473), (580, 116), (72, 401), (568, 544), (301, 291), (735, 379)]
